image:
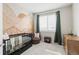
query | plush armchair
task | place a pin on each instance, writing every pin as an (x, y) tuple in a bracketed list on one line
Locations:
[(36, 39)]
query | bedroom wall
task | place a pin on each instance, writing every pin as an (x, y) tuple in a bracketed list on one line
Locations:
[(16, 20), (66, 19), (1, 30), (76, 18), (66, 22)]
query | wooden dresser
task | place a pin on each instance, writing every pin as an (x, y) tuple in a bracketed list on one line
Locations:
[(71, 44)]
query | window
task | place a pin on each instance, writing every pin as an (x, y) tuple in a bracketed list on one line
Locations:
[(47, 22), (43, 23)]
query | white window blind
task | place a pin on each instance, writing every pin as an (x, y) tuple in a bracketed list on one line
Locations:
[(43, 23), (47, 22)]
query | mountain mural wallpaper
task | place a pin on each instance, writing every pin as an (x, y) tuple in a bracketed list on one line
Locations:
[(16, 23)]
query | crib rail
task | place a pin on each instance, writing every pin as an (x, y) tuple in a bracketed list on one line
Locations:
[(16, 42)]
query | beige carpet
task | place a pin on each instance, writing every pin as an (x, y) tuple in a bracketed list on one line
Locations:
[(45, 49)]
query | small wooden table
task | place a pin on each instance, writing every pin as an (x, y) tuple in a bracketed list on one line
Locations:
[(47, 39)]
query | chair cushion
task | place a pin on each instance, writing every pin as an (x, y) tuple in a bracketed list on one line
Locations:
[(37, 35)]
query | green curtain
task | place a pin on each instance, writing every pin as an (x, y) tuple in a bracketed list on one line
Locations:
[(37, 24), (58, 38)]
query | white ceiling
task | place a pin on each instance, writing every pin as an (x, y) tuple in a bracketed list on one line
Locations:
[(38, 7)]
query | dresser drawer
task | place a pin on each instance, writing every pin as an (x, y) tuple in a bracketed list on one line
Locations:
[(73, 47)]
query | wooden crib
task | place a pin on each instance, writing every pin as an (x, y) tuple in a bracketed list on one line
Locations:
[(17, 43)]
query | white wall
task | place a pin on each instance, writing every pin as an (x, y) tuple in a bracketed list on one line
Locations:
[(1, 32), (66, 22), (66, 19), (76, 19)]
